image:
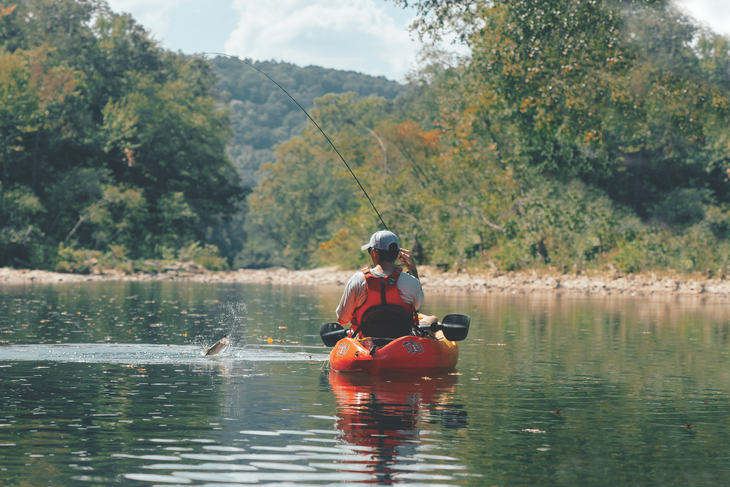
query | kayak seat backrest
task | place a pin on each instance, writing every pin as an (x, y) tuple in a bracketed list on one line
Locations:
[(386, 322)]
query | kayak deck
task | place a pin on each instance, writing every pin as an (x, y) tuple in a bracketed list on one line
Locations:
[(408, 354)]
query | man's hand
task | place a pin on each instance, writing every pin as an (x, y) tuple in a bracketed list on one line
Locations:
[(407, 259)]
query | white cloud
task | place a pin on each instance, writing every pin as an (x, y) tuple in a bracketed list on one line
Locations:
[(154, 15), (356, 35), (712, 13)]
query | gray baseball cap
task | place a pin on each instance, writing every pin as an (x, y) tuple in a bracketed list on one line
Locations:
[(381, 240)]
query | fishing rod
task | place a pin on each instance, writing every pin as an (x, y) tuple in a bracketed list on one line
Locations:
[(229, 56)]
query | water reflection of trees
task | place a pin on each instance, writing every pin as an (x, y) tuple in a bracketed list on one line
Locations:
[(381, 417)]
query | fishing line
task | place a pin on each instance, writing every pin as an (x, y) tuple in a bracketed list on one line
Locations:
[(229, 56)]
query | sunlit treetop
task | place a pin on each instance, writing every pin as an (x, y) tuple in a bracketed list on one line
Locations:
[(436, 18)]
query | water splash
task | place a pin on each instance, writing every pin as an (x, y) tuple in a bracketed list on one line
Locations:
[(231, 320)]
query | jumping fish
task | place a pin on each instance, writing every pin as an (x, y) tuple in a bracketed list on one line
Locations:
[(217, 347)]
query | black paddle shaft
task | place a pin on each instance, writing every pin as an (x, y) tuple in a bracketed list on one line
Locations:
[(454, 326)]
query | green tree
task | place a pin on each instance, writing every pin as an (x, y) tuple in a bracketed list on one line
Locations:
[(19, 235), (263, 116), (121, 143)]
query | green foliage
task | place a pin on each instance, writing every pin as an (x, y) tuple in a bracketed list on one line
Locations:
[(118, 259), (208, 256), (571, 225), (718, 221), (310, 207), (118, 145), (263, 116), (177, 220), (117, 217), (655, 249), (21, 206), (682, 207), (437, 17), (579, 136), (19, 236), (298, 201), (80, 261)]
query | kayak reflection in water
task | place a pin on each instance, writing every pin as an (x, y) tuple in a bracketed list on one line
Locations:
[(382, 301), (381, 415)]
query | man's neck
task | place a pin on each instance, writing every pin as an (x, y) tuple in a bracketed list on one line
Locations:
[(383, 268)]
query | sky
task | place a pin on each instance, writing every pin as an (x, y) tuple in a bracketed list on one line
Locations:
[(367, 36)]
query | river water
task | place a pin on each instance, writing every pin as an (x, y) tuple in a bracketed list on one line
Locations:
[(106, 384)]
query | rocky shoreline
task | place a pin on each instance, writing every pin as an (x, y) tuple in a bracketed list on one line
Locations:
[(433, 280)]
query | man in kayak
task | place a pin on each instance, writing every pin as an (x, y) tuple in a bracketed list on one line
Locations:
[(385, 288)]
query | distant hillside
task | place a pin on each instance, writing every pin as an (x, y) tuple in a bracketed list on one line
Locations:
[(263, 116)]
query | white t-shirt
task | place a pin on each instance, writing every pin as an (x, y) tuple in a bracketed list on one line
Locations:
[(356, 293)]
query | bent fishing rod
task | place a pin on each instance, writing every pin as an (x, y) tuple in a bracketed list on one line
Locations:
[(229, 56)]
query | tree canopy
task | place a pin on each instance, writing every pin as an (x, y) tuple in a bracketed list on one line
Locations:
[(577, 135), (107, 141), (263, 116)]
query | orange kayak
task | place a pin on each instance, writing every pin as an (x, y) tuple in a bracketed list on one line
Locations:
[(405, 355)]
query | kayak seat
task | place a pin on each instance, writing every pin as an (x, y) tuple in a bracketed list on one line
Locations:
[(386, 323)]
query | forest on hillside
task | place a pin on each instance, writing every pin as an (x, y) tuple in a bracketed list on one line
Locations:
[(263, 116), (577, 136)]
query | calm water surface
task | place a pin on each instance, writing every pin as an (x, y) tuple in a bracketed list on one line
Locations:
[(106, 384)]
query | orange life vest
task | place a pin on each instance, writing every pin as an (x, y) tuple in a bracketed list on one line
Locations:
[(382, 291)]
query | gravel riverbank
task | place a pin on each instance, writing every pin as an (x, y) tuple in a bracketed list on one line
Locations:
[(432, 279)]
